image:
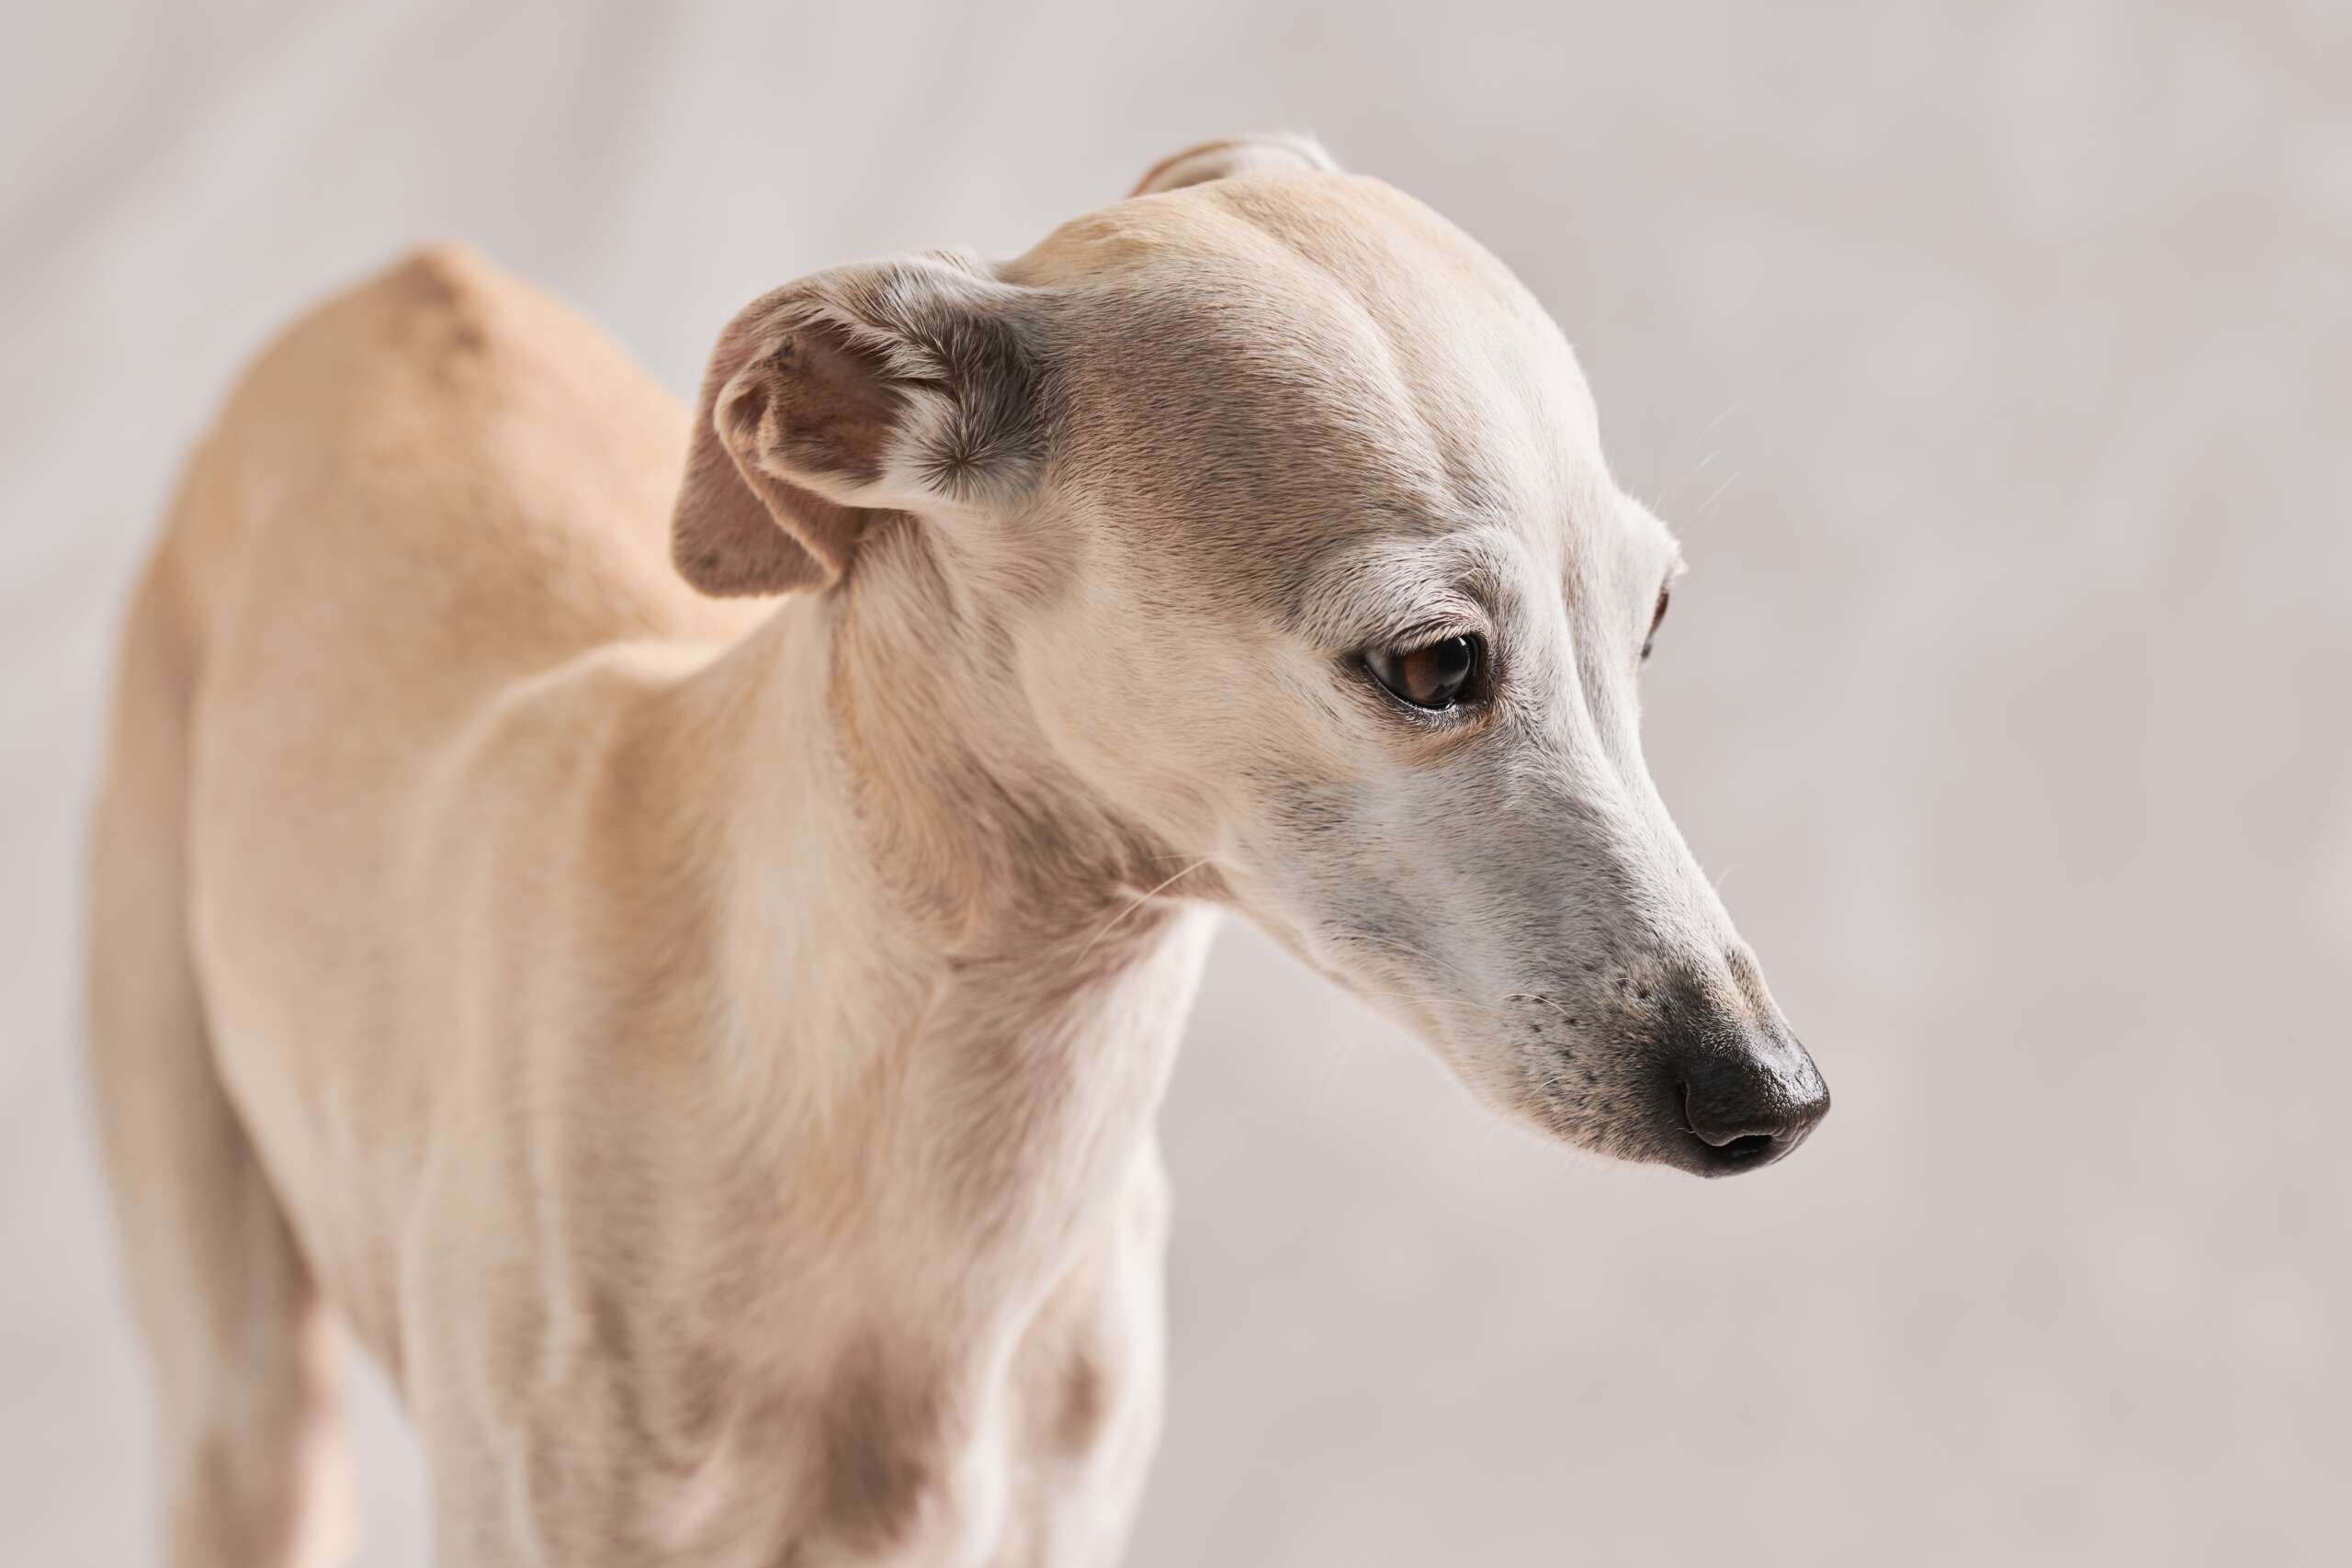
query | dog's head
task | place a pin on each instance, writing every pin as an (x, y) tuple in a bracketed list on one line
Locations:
[(1276, 508)]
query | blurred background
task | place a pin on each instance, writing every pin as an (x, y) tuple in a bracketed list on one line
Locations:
[(1995, 362)]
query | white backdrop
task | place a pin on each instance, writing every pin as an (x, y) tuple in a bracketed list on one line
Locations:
[(1994, 361)]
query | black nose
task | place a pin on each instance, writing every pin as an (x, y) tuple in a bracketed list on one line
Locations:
[(1748, 1105)]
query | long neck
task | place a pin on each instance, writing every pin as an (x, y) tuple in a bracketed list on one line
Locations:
[(947, 999)]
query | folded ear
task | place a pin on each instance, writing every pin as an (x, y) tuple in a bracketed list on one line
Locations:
[(1260, 153), (899, 385)]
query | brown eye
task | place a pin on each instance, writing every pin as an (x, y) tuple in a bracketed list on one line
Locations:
[(1657, 616), (1434, 675)]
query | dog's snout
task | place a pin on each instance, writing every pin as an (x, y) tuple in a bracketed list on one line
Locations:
[(1739, 1091), (1748, 1105)]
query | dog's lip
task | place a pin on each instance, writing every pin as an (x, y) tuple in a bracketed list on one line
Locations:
[(1751, 1151), (1659, 1134), (1686, 1150)]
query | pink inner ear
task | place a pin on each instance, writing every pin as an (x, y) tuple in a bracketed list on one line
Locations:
[(725, 541), (736, 531), (804, 409), (829, 410)]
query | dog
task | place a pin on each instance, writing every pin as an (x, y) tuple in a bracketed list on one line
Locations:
[(673, 932)]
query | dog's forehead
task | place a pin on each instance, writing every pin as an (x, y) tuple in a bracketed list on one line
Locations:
[(1277, 360)]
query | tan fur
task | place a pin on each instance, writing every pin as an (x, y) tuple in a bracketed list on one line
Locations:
[(706, 1050)]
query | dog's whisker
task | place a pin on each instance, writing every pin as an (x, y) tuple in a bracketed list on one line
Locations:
[(1706, 506), (1140, 901)]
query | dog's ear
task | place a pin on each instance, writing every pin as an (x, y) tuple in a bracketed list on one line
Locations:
[(903, 386), (1261, 153)]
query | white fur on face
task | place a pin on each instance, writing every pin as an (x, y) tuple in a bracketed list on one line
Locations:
[(1298, 419)]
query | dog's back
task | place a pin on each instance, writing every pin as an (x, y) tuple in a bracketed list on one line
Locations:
[(446, 470), (430, 489)]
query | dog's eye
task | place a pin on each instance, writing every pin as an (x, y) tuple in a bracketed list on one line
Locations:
[(1434, 675), (1658, 617)]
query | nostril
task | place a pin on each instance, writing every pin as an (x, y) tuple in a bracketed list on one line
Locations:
[(1740, 1114), (1718, 1104), (1742, 1110)]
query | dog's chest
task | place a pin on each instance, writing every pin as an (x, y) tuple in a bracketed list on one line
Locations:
[(883, 1453)]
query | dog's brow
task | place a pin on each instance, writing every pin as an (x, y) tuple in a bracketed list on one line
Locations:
[(1358, 592), (1675, 564)]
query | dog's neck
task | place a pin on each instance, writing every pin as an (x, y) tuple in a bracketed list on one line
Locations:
[(949, 998)]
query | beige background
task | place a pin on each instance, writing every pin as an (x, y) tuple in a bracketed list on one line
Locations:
[(1994, 361)]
